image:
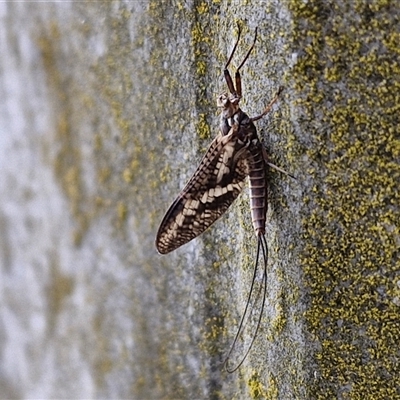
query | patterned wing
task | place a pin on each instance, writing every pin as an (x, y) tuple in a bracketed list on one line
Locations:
[(214, 186)]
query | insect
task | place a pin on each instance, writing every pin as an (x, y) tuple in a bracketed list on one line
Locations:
[(235, 154)]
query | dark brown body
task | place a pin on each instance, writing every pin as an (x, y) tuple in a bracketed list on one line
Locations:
[(247, 138), (235, 154)]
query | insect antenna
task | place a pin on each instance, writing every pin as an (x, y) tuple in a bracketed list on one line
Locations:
[(234, 49), (262, 245), (249, 51), (238, 79), (227, 75)]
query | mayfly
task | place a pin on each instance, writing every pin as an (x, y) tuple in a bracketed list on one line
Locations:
[(233, 155)]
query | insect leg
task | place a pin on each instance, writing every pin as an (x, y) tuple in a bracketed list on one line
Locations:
[(265, 156), (280, 170), (269, 106)]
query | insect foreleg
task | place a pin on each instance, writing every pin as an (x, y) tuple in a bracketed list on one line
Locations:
[(269, 106)]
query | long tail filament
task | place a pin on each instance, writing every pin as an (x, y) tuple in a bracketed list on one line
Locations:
[(262, 245)]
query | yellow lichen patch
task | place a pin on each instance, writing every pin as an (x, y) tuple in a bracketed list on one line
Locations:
[(122, 212), (278, 323), (202, 8), (127, 175), (202, 36), (202, 127), (165, 173), (347, 81), (257, 390), (104, 174), (213, 329), (58, 290), (67, 163)]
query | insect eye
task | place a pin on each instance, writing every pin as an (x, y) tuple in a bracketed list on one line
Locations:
[(222, 100)]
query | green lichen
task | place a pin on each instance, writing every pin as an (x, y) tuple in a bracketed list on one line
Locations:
[(257, 390), (347, 85), (202, 127)]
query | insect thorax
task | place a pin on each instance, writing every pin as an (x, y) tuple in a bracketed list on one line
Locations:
[(246, 129)]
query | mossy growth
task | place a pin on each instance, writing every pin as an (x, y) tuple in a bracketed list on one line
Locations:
[(347, 84)]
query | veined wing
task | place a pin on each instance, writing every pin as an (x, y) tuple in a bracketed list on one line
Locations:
[(213, 187)]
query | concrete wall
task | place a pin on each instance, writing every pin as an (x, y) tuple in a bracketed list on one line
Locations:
[(106, 109)]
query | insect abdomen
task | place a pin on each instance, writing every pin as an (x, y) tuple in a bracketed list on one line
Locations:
[(258, 189)]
